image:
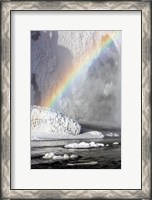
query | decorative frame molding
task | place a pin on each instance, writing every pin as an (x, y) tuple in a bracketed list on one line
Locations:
[(6, 8)]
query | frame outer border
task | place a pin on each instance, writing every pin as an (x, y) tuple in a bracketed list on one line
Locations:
[(146, 96)]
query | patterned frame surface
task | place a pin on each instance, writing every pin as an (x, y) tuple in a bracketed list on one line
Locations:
[(7, 193)]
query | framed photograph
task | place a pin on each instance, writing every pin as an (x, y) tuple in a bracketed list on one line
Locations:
[(76, 86), (71, 127)]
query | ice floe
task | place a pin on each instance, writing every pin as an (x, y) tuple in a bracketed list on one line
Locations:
[(57, 157), (73, 156), (93, 144), (77, 145), (100, 145), (116, 143), (96, 133), (83, 145), (112, 135), (48, 155)]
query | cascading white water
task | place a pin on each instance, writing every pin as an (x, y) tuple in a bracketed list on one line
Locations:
[(96, 95)]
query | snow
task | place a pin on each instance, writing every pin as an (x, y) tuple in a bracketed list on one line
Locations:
[(96, 133), (116, 143), (112, 135), (48, 121), (48, 155), (92, 144), (73, 156), (54, 157), (83, 145)]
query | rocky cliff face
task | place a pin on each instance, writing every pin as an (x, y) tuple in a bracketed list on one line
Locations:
[(49, 121), (95, 95)]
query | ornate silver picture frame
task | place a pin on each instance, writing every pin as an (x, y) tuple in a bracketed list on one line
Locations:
[(8, 7)]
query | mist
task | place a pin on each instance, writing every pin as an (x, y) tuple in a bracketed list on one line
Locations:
[(92, 97)]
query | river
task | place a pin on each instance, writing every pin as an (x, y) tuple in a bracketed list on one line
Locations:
[(107, 157)]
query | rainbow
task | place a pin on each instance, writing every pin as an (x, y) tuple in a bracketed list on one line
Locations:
[(75, 70)]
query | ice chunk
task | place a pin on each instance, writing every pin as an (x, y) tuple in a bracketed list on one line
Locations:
[(93, 144), (57, 158), (96, 133), (100, 144), (66, 157), (73, 156), (77, 145), (46, 120), (48, 156), (116, 143), (83, 145), (73, 145), (112, 135)]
